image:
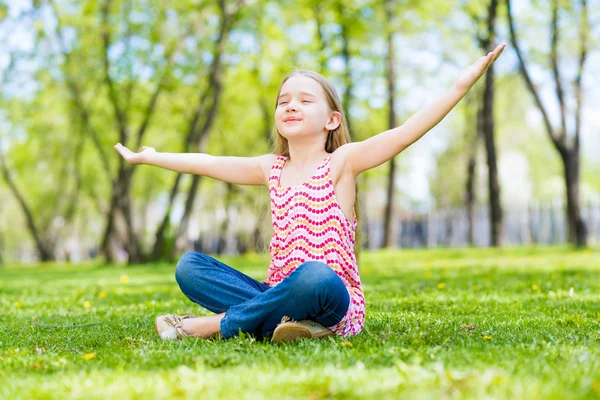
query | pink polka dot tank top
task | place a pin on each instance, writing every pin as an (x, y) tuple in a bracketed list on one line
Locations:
[(309, 224)]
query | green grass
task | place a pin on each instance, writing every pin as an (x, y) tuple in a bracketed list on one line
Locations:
[(480, 323)]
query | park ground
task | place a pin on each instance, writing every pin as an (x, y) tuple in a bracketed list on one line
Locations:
[(519, 323)]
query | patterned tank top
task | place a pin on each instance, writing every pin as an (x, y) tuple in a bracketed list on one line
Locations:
[(308, 224)]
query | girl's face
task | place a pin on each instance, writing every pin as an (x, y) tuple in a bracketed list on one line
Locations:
[(302, 109)]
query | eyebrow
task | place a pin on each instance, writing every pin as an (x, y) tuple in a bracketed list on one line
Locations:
[(304, 93)]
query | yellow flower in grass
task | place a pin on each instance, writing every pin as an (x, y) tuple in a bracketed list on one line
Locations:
[(86, 304), (475, 287), (124, 279), (428, 274), (102, 294), (88, 356), (346, 344), (18, 304), (535, 287), (441, 285), (488, 337)]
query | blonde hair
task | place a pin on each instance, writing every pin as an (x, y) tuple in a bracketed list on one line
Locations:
[(335, 138)]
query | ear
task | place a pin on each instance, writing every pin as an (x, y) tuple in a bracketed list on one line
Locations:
[(335, 119)]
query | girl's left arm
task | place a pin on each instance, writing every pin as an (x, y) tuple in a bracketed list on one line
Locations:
[(372, 152)]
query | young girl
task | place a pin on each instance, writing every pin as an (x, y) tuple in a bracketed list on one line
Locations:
[(313, 287)]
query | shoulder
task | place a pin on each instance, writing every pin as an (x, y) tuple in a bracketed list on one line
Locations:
[(266, 162)]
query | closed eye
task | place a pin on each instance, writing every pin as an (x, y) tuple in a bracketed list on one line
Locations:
[(303, 101)]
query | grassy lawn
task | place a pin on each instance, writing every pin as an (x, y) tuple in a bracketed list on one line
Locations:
[(480, 323)]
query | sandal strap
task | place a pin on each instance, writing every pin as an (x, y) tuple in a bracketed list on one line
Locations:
[(176, 322), (286, 319)]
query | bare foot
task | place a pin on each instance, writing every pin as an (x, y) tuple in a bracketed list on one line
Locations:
[(204, 327)]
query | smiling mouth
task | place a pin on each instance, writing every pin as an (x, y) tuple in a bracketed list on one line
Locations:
[(292, 120)]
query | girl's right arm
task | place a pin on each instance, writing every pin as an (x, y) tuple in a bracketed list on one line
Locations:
[(237, 170)]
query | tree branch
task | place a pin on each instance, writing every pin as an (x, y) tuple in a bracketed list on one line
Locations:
[(41, 245), (131, 82), (556, 72), (560, 145), (112, 92), (214, 86), (347, 77), (76, 93), (153, 100), (583, 37)]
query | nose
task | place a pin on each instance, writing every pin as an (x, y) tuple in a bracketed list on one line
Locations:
[(291, 105)]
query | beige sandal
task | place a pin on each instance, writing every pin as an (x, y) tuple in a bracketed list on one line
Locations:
[(168, 327), (289, 330)]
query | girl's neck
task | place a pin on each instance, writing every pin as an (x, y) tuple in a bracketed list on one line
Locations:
[(301, 156)]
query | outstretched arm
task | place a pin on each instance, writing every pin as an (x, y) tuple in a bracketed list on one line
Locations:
[(237, 170), (372, 152)]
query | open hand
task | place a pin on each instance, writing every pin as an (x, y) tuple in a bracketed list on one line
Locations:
[(471, 74), (135, 158)]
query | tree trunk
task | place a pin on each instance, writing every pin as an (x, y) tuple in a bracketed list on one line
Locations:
[(45, 252), (203, 138), (496, 214), (120, 201), (159, 238), (198, 136), (348, 81), (470, 195), (472, 165), (224, 227), (105, 247), (577, 229), (133, 242), (388, 240)]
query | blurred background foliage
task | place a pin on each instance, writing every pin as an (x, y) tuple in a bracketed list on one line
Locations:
[(202, 76)]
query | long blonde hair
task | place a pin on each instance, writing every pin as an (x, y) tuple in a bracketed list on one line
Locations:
[(335, 138)]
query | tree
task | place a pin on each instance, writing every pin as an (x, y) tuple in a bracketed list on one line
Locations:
[(198, 133), (119, 101), (487, 125), (566, 141), (388, 240)]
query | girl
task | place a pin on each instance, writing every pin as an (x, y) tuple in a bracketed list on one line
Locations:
[(313, 287)]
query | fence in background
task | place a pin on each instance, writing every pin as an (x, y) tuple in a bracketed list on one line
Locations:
[(536, 224)]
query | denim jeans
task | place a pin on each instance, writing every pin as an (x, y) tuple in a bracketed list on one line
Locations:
[(313, 291)]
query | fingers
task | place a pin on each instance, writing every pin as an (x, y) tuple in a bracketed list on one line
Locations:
[(120, 148), (123, 151), (493, 55), (499, 49)]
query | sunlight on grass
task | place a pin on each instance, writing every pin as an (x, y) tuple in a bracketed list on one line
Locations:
[(440, 323)]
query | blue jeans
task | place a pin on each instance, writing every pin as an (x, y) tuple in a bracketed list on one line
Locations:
[(313, 291)]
